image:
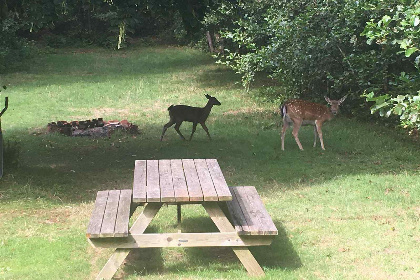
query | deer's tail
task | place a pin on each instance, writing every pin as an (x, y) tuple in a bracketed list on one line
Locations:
[(283, 110)]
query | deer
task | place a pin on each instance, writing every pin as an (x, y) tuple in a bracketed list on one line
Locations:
[(298, 112), (181, 113)]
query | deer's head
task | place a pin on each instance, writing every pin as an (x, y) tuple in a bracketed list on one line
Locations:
[(213, 100), (335, 104)]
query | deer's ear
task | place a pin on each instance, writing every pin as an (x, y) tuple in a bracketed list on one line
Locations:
[(327, 99), (342, 99), (207, 96)]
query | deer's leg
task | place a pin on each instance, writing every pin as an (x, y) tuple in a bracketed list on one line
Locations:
[(319, 130), (193, 130), (283, 132), (205, 129), (165, 127), (315, 135), (177, 130), (296, 127)]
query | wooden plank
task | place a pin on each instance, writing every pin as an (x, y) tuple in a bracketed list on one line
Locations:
[(167, 193), (180, 184), (152, 181), (193, 183), (139, 184), (219, 181), (257, 217), (145, 217), (162, 240), (95, 223), (260, 215), (209, 192), (238, 217), (218, 217), (239, 193), (248, 261), (112, 265), (110, 215), (123, 215)]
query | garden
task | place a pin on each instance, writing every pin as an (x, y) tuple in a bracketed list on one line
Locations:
[(350, 211)]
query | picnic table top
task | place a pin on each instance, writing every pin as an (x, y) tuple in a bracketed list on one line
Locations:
[(179, 180)]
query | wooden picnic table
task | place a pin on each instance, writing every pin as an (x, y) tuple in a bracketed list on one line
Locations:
[(180, 181)]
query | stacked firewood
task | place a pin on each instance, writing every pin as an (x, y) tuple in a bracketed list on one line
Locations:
[(93, 128)]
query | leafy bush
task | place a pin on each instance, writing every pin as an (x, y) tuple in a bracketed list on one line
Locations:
[(316, 48), (312, 48), (401, 28), (13, 49)]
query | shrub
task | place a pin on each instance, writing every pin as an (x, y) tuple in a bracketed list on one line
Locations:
[(13, 49), (399, 30)]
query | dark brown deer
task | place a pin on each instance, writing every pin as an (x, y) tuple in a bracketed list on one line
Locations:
[(181, 113), (300, 112)]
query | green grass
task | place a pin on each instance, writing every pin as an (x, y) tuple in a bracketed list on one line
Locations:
[(350, 212)]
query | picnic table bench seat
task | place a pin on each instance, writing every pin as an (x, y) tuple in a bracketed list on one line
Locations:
[(248, 214), (111, 214)]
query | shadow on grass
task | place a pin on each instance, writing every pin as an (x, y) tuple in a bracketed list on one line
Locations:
[(280, 254), (73, 170), (143, 261)]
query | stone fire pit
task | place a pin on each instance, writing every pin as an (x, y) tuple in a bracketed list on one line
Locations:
[(92, 128)]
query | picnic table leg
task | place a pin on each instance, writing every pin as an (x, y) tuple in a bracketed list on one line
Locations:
[(223, 224), (119, 255), (113, 264), (249, 262), (178, 210)]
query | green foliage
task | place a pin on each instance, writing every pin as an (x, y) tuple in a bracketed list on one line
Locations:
[(271, 94), (241, 24), (316, 48), (401, 28), (13, 49), (64, 23), (407, 107), (311, 48)]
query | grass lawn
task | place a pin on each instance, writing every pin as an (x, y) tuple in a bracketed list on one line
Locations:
[(350, 212)]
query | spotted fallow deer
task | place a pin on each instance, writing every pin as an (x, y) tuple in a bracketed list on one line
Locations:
[(300, 112), (181, 113)]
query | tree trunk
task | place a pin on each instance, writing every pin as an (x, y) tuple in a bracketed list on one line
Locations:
[(121, 37), (210, 41)]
